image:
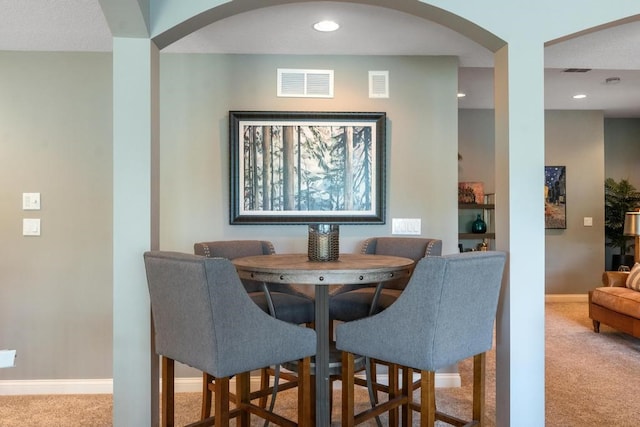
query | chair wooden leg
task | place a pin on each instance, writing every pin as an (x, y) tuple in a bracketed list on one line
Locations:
[(312, 394), (304, 394), (407, 390), (479, 370), (243, 389), (374, 378), (264, 384), (207, 380), (221, 402), (394, 391), (347, 389), (427, 399), (168, 391)]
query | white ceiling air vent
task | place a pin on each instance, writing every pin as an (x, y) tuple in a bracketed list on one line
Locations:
[(305, 83), (378, 84)]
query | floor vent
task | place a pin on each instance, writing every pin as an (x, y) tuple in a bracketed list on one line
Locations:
[(378, 84), (305, 83)]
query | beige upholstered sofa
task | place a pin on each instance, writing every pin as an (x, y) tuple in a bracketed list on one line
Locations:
[(615, 305)]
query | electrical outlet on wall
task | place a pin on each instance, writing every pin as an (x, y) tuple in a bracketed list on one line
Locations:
[(408, 226), (31, 226), (7, 358)]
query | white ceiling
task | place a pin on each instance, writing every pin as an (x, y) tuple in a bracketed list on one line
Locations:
[(78, 25)]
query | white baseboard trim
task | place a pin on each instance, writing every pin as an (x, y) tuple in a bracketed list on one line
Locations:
[(91, 386), (182, 385), (566, 297), (450, 379), (28, 387)]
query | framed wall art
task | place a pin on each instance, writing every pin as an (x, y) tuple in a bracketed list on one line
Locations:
[(307, 167), (555, 197)]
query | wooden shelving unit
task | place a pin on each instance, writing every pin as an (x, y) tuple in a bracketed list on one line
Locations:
[(486, 212)]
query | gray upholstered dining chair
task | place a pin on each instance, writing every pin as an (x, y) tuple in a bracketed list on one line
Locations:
[(282, 301), (445, 314), (204, 318), (351, 302)]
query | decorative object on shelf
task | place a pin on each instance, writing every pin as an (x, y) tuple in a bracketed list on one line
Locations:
[(467, 215), (470, 192), (484, 246), (324, 242), (303, 167), (479, 226), (555, 207)]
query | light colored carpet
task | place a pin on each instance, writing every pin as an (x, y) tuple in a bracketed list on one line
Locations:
[(592, 380)]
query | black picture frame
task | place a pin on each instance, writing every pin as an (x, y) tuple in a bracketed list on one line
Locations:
[(555, 197), (307, 167)]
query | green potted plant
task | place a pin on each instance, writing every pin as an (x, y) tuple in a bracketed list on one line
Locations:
[(619, 197)]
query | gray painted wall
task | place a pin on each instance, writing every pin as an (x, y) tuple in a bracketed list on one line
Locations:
[(622, 149), (476, 140), (56, 289), (574, 257), (194, 152)]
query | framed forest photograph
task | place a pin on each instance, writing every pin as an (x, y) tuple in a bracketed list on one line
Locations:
[(307, 167)]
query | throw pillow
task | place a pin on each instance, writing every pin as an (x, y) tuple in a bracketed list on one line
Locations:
[(633, 280)]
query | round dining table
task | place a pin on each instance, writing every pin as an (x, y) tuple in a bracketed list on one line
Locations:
[(349, 269)]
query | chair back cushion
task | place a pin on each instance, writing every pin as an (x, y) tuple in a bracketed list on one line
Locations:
[(181, 307), (232, 249), (407, 247), (445, 314)]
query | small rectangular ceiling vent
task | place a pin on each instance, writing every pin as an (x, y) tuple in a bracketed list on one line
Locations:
[(378, 84), (576, 70), (305, 83)]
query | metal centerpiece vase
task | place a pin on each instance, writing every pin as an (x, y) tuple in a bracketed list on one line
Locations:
[(324, 242)]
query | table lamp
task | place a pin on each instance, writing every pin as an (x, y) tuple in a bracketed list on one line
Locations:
[(632, 228)]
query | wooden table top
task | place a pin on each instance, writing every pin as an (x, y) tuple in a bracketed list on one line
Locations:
[(348, 269)]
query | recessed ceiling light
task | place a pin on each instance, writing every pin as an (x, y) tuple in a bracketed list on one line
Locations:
[(579, 96), (326, 26), (461, 95)]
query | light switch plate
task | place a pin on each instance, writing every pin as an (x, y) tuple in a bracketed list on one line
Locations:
[(408, 226), (588, 221), (31, 226), (30, 201)]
